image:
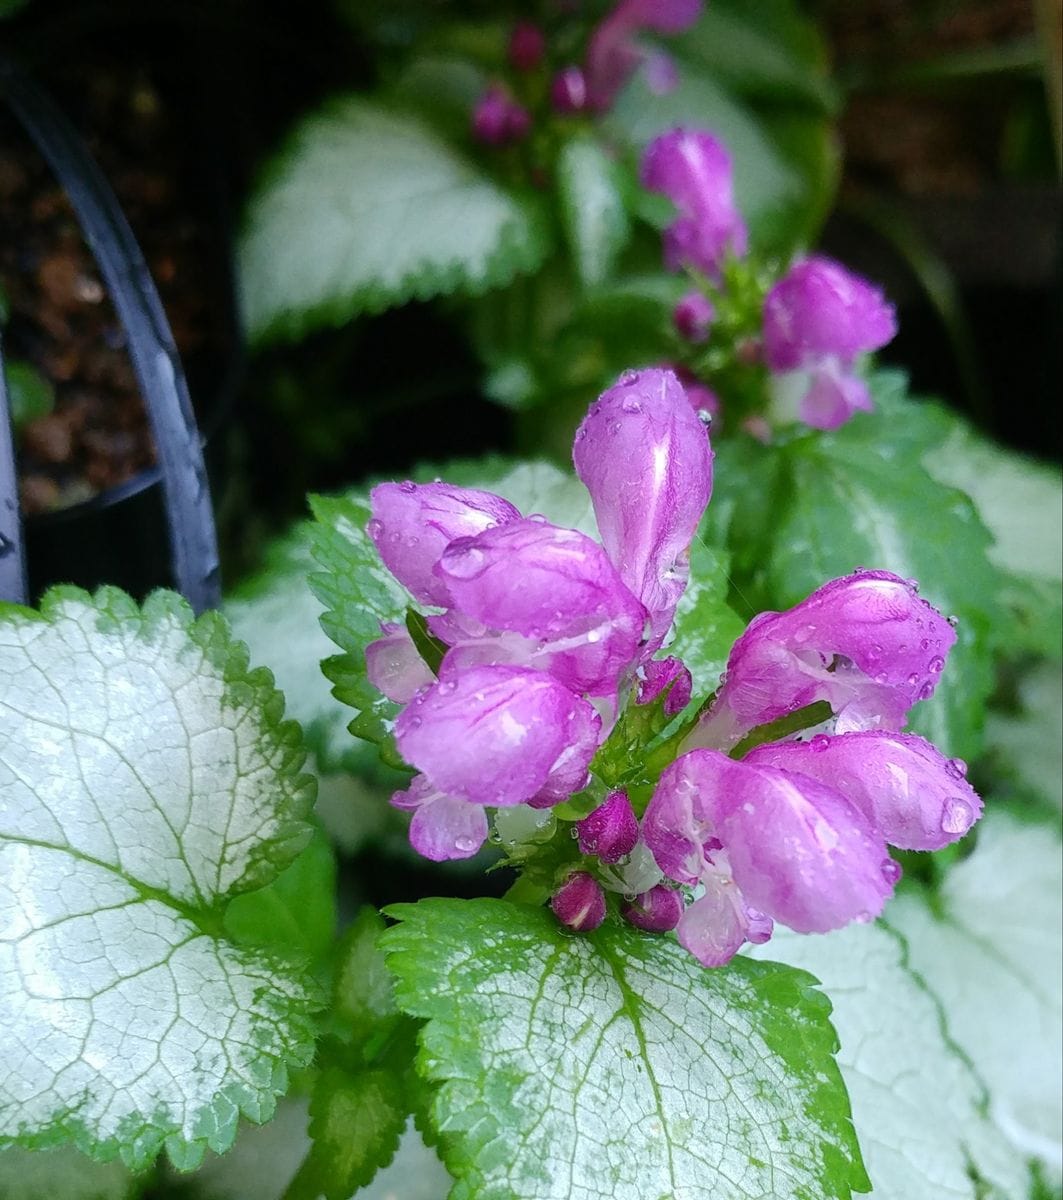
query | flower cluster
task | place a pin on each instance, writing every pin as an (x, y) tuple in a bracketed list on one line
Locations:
[(775, 802), (502, 115), (813, 323)]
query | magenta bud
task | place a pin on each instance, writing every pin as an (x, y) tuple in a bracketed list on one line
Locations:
[(579, 903), (655, 911), (518, 123), (568, 91), (526, 46), (611, 831), (692, 316), (661, 673), (490, 117)]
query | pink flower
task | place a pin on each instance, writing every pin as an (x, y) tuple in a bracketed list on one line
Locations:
[(614, 53), (498, 120), (693, 169), (817, 319)]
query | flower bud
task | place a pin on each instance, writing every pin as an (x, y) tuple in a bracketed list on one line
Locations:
[(579, 903), (655, 911), (661, 673), (568, 91), (611, 831), (498, 120), (526, 46), (692, 316)]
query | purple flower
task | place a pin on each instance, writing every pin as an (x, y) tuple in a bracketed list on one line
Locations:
[(568, 91), (498, 120), (579, 903), (765, 845), (611, 831), (499, 735), (395, 666), (867, 644), (655, 911), (554, 587), (526, 46), (659, 674), (817, 319), (645, 459), (413, 524), (614, 54), (904, 786), (693, 170), (443, 827), (693, 315)]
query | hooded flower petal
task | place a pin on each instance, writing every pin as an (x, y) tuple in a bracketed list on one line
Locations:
[(693, 169), (818, 310), (831, 396), (443, 827), (394, 665), (866, 643), (555, 587), (644, 457), (498, 735), (413, 523), (719, 922), (677, 825), (614, 54), (800, 852), (914, 796)]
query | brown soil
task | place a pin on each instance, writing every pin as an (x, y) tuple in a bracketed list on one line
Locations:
[(61, 319)]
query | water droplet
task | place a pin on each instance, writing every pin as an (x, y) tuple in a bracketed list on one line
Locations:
[(408, 486), (957, 816), (416, 722), (819, 743), (913, 679), (464, 564), (924, 644), (891, 870), (614, 428), (705, 417), (466, 845), (573, 833), (593, 636), (630, 405), (937, 665), (395, 537), (912, 584), (957, 768), (953, 621), (538, 518), (627, 378), (859, 570), (447, 687), (862, 918), (581, 433), (375, 528), (723, 678), (926, 691)]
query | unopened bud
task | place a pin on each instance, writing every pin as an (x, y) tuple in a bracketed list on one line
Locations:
[(692, 316), (611, 831), (498, 120), (568, 92), (579, 903), (655, 911), (526, 46), (661, 673)]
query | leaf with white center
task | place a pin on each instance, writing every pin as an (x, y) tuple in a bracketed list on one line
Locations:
[(366, 208), (990, 945), (614, 1067), (1025, 745), (919, 1107), (146, 777), (592, 208)]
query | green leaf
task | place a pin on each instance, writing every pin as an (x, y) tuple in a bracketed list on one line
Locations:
[(990, 945), (1025, 745), (146, 777), (705, 625), (29, 394), (61, 1174), (919, 1107), (279, 617), (1021, 502), (365, 208), (826, 503), (592, 208), (356, 1121), (358, 593), (363, 991), (430, 648), (614, 1065), (296, 913)]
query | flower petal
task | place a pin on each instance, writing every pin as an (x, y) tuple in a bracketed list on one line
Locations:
[(556, 587), (644, 457), (443, 827), (867, 643), (915, 797), (497, 735), (677, 825), (820, 309), (394, 665), (412, 524), (716, 925)]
